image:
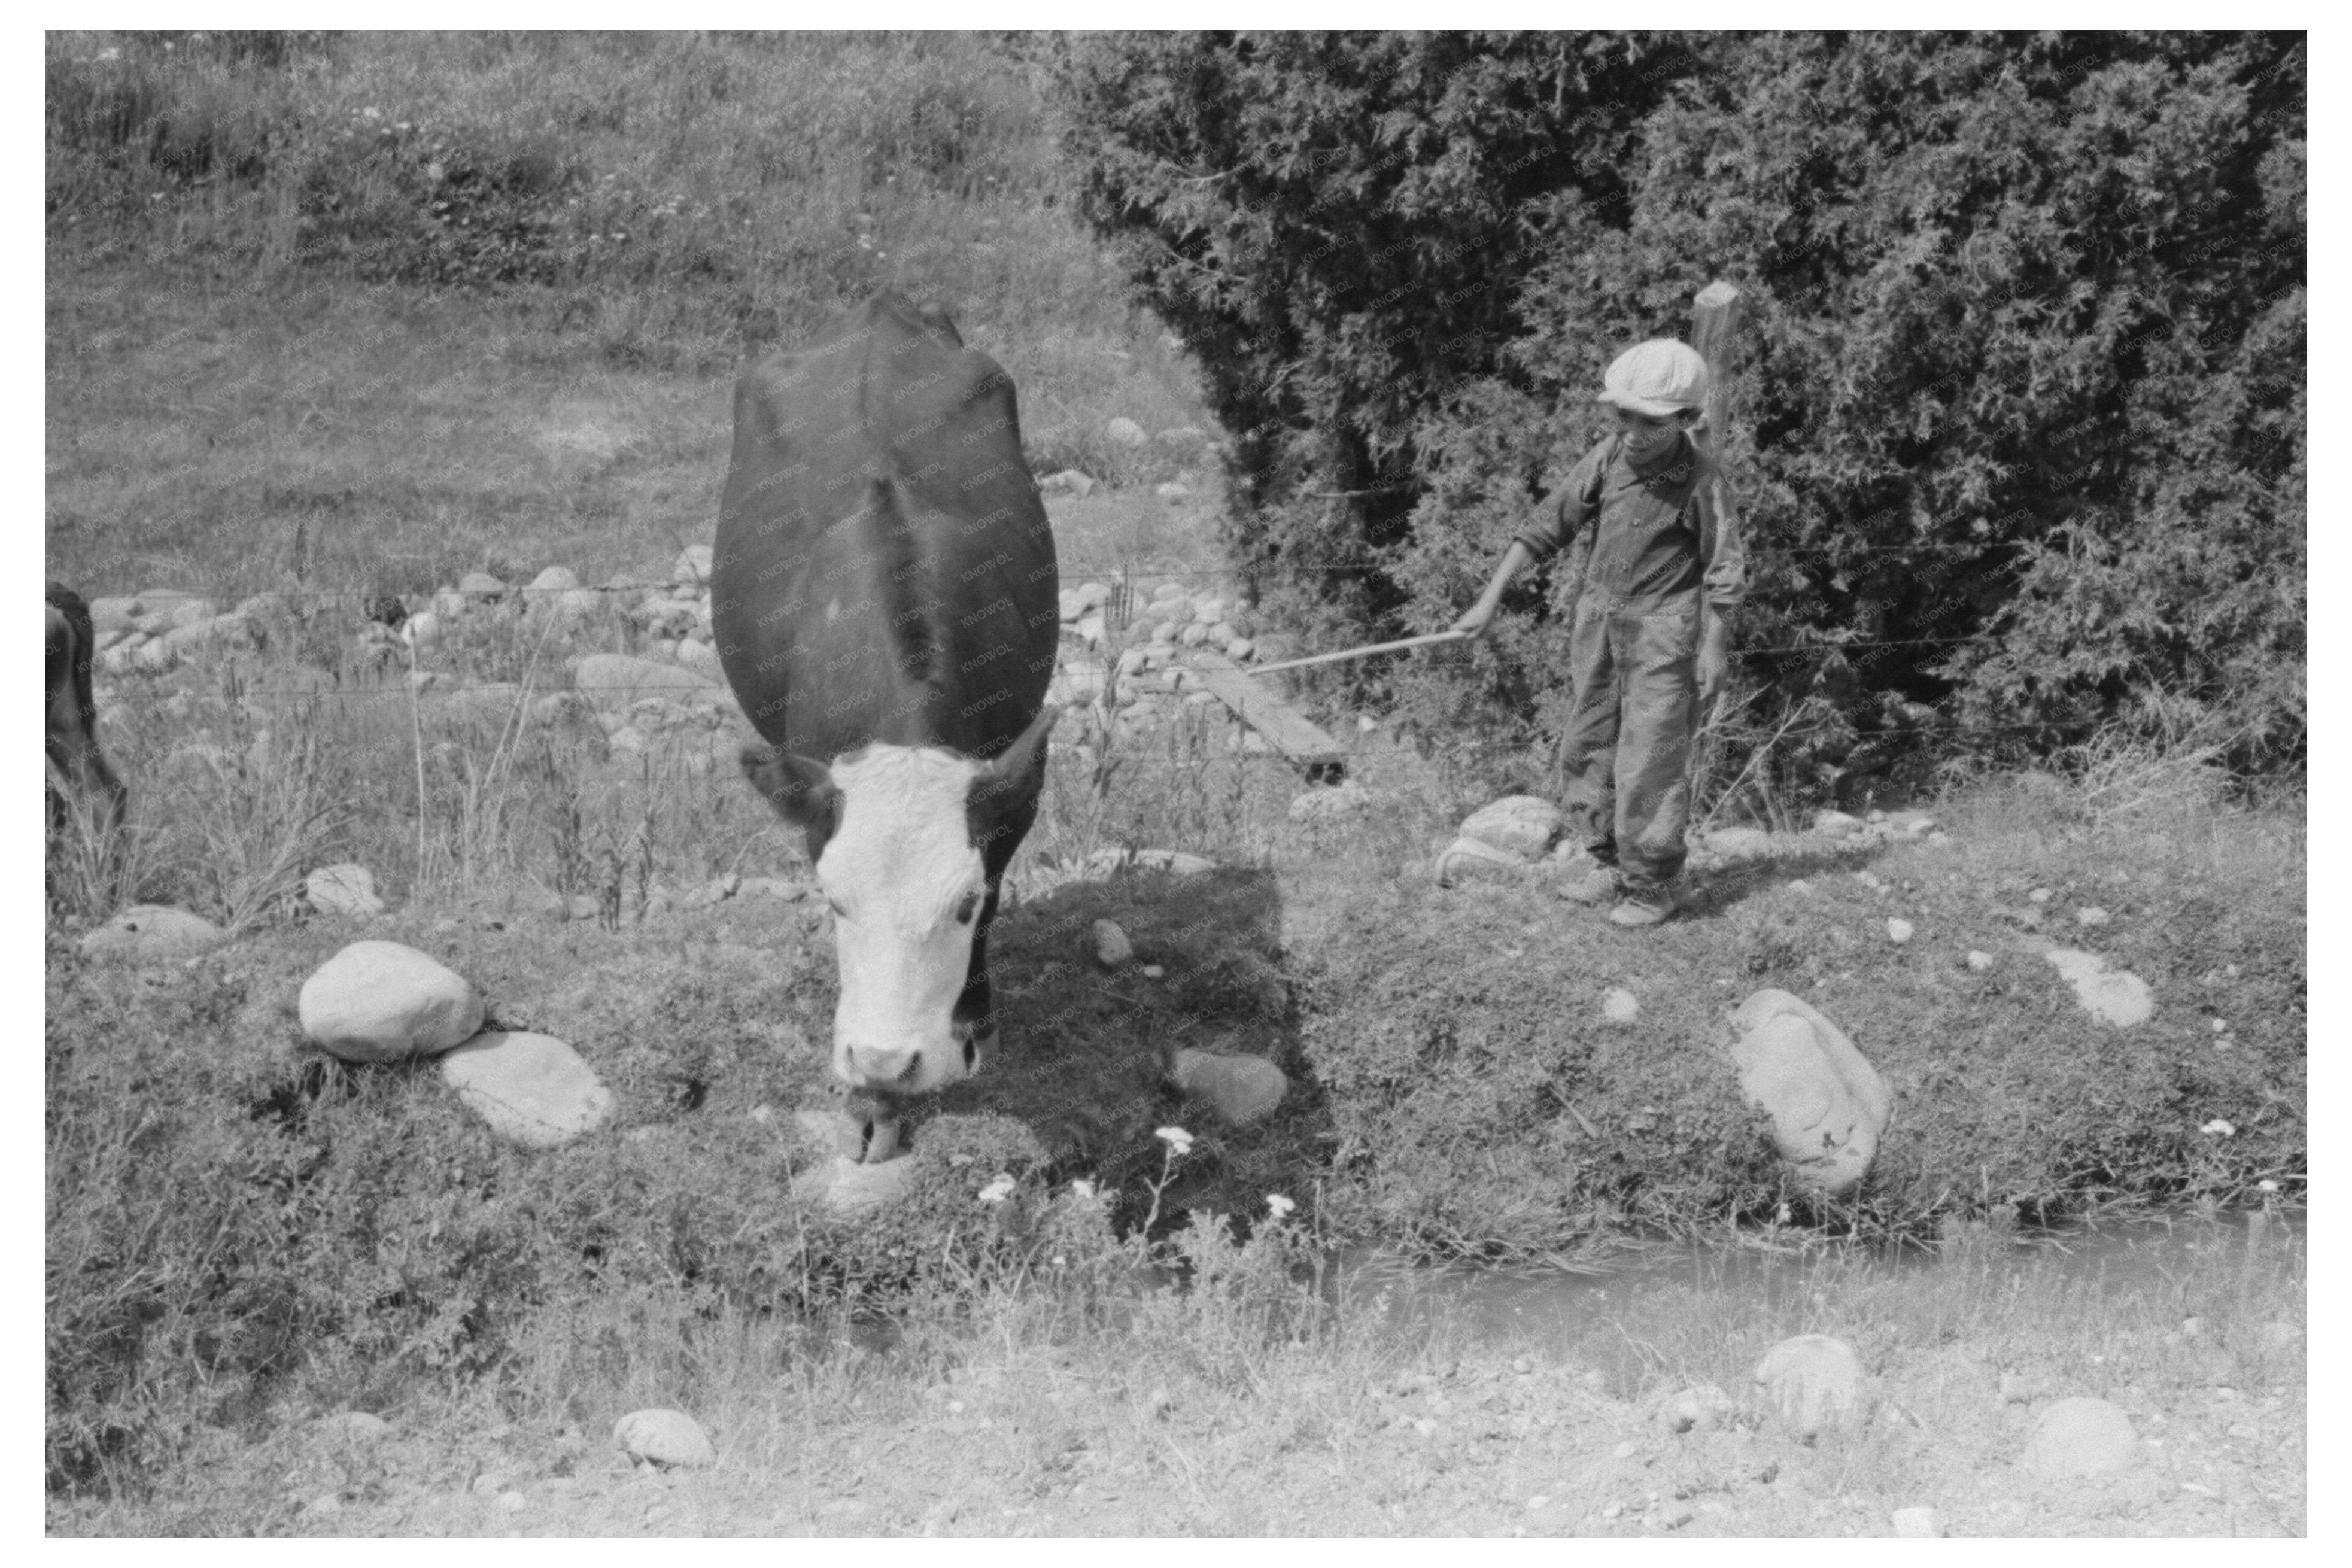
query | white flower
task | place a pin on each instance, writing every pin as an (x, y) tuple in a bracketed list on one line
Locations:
[(2219, 1127), (997, 1190), (1278, 1205), (1178, 1141), (1082, 1188)]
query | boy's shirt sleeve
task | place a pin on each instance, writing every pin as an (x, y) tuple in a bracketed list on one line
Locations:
[(1720, 548), (1560, 516)]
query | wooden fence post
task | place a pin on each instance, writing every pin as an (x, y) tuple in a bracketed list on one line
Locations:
[(1714, 316)]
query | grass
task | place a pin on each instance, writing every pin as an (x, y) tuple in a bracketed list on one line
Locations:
[(252, 390)]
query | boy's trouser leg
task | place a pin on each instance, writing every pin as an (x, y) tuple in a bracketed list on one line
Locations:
[(1659, 655), (1588, 746)]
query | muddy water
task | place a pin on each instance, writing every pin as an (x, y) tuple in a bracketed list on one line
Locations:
[(1572, 1294)]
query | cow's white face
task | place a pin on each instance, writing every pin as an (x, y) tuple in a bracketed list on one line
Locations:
[(897, 834), (906, 883)]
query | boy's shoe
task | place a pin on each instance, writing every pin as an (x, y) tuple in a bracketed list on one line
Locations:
[(1644, 907)]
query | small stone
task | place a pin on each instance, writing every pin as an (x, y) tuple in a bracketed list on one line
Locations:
[(1171, 491), (1122, 431), (1620, 1007), (2038, 896), (1813, 1381), (2091, 915), (512, 1501), (1898, 931), (664, 1437), (1209, 611), (480, 587), (1918, 1523), (1334, 802), (346, 889), (1241, 649), (692, 567), (532, 1090), (422, 631), (1526, 825), (1700, 1409), (2016, 1388), (1193, 636), (1240, 1089), (325, 1506), (554, 580), (151, 934), (1626, 1449), (1112, 950), (1835, 824), (1978, 960), (1069, 482), (847, 1187), (354, 1426), (1092, 629), (1799, 885), (2082, 1437), (1153, 971), (2117, 995)]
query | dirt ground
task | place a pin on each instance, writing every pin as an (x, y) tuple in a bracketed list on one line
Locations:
[(1489, 1442)]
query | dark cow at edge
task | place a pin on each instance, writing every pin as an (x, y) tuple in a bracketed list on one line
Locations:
[(77, 767), (886, 603)]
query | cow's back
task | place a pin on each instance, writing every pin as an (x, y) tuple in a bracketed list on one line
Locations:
[(884, 569)]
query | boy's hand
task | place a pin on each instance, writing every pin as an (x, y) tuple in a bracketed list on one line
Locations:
[(1714, 661), (1473, 620)]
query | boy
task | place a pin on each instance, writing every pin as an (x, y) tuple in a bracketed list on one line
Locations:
[(1650, 646)]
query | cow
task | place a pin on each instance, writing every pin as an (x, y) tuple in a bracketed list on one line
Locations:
[(78, 778), (885, 599)]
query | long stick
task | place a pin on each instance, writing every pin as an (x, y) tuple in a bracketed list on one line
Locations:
[(1422, 641)]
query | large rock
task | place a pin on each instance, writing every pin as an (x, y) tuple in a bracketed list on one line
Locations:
[(1829, 1106), (617, 679), (2082, 1437), (381, 1001), (1525, 825), (1239, 1088), (1814, 1382), (1467, 857), (345, 890), (152, 934), (2117, 995), (532, 1090), (664, 1437), (1740, 843)]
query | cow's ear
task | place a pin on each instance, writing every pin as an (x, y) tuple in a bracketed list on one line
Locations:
[(802, 790)]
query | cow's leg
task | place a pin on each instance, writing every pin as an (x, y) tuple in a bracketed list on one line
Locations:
[(976, 1009)]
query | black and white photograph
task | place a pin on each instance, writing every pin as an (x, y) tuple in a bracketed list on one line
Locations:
[(1128, 785)]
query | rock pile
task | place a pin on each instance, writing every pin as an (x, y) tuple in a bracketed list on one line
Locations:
[(378, 1001)]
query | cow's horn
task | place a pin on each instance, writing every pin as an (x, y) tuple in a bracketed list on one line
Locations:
[(1013, 763)]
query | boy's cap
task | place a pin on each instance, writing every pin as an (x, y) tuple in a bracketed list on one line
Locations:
[(1659, 377)]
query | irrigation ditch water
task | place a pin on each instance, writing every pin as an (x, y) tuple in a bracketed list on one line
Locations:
[(2139, 1256)]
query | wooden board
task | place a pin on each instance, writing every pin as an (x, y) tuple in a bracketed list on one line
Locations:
[(1286, 729)]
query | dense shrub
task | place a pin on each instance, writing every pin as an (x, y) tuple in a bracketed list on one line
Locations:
[(2020, 428)]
